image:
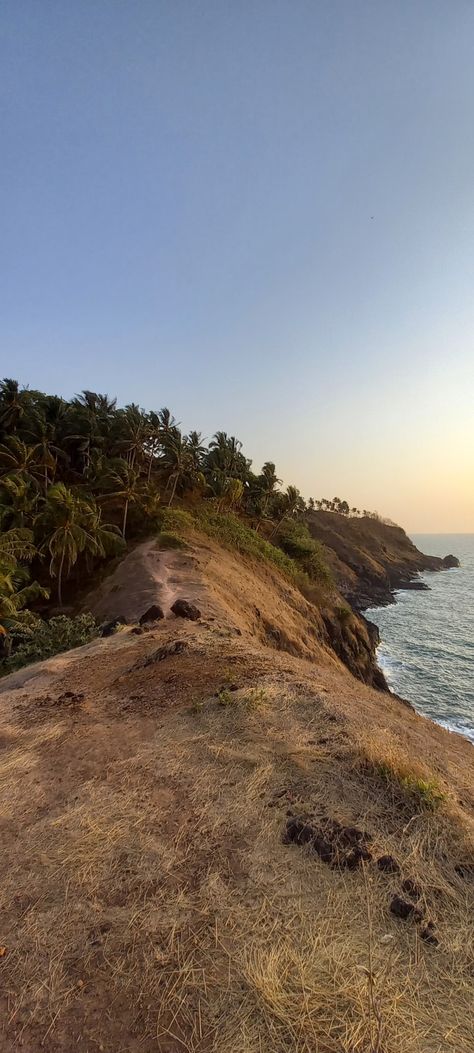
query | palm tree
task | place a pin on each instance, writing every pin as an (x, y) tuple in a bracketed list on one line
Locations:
[(92, 418), (16, 591), (154, 434), (167, 421), (289, 504), (19, 499), (17, 456), (15, 403), (123, 483), (196, 449), (65, 522), (226, 450), (108, 540), (132, 429), (266, 487), (176, 461)]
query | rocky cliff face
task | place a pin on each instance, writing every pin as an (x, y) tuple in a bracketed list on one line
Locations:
[(371, 559)]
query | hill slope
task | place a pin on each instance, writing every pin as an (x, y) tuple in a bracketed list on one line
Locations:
[(370, 558), (151, 900)]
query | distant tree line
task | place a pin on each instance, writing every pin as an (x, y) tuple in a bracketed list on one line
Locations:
[(78, 477)]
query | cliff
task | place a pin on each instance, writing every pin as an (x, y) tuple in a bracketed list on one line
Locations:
[(371, 559), (215, 839)]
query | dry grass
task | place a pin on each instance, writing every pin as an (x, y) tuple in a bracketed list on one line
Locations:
[(148, 901)]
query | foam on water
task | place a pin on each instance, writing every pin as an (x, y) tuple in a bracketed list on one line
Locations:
[(427, 638)]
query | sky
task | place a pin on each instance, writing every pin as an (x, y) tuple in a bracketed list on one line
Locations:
[(260, 214)]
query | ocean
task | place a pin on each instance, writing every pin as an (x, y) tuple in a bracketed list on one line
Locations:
[(427, 638)]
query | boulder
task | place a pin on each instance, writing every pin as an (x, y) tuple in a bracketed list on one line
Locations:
[(153, 614), (112, 627), (388, 864), (450, 561), (403, 909), (183, 609)]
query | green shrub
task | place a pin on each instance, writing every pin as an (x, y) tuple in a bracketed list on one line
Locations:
[(343, 613), (235, 534), (295, 539), (225, 697), (426, 793), (175, 520), (168, 539), (43, 639)]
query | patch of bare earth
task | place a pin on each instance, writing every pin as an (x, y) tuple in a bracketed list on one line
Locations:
[(149, 899)]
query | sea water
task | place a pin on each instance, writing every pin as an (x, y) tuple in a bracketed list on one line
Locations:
[(427, 638)]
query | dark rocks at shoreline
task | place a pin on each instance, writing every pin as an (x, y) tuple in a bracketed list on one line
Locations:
[(415, 584), (450, 561)]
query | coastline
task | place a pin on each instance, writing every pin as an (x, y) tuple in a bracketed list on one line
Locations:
[(425, 644)]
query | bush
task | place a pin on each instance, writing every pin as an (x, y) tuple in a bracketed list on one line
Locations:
[(175, 520), (343, 613), (233, 533), (295, 539), (168, 539), (43, 639)]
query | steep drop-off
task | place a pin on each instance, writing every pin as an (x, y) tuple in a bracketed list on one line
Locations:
[(370, 559)]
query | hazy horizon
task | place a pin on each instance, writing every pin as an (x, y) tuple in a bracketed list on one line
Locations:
[(261, 216)]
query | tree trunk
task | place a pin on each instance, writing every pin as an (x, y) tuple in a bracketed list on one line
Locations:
[(173, 490), (60, 577), (124, 523), (279, 524)]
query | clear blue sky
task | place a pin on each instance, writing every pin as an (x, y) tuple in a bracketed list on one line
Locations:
[(260, 214)]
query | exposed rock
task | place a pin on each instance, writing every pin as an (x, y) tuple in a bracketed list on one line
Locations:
[(323, 849), (161, 653), (334, 843), (355, 857), (112, 627), (388, 864), (153, 614), (412, 889), (413, 583), (450, 561), (402, 908), (371, 559), (354, 641), (183, 609), (299, 832)]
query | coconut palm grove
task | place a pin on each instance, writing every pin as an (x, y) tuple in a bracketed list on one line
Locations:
[(81, 479)]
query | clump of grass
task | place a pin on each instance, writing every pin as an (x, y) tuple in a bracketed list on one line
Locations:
[(343, 613), (235, 534), (256, 697), (225, 697), (425, 792), (169, 539)]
